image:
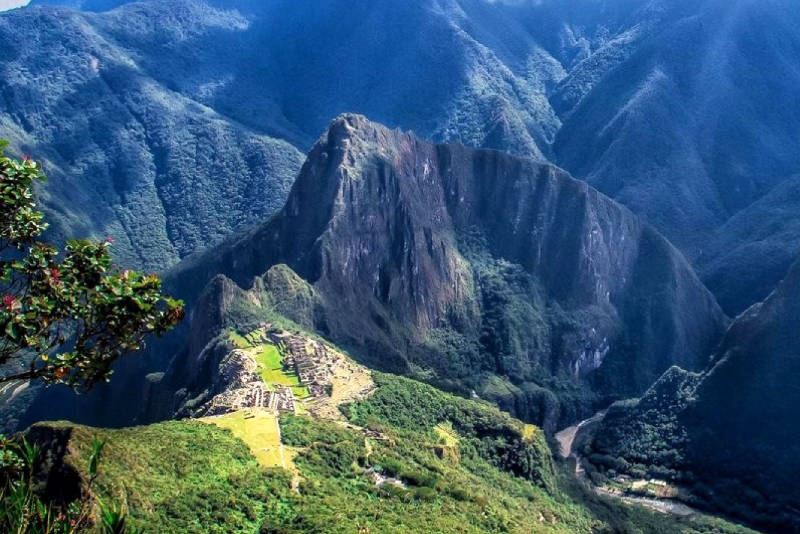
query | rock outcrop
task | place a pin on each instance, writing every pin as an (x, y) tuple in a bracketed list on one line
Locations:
[(482, 270)]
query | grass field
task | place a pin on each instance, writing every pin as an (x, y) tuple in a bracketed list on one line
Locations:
[(301, 392), (269, 362), (258, 428), (270, 367)]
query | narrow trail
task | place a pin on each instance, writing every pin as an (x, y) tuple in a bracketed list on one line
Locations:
[(280, 441)]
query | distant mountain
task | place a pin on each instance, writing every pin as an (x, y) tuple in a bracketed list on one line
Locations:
[(731, 432), (749, 255), (473, 268), (684, 111), (125, 155), (86, 5), (698, 121)]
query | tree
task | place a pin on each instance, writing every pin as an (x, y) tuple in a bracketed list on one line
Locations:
[(66, 317)]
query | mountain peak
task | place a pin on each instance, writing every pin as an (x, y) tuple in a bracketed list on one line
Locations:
[(354, 128), (352, 122), (419, 250)]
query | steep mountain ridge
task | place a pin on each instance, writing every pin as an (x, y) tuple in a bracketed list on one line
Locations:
[(477, 269)]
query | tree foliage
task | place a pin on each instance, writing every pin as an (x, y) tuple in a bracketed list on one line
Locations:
[(66, 317), (23, 510)]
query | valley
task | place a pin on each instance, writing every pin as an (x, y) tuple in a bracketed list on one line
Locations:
[(653, 494), (435, 266), (689, 430)]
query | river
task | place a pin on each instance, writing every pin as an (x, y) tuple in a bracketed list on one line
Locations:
[(566, 441)]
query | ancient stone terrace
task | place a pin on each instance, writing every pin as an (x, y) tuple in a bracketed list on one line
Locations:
[(329, 376), (313, 361), (244, 388)]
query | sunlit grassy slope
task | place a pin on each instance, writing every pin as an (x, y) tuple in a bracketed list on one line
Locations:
[(258, 429), (189, 477)]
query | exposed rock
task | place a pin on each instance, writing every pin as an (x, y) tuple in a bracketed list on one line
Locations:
[(473, 263)]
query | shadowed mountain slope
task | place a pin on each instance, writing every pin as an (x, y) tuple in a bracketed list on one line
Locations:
[(171, 124), (730, 432), (749, 255)]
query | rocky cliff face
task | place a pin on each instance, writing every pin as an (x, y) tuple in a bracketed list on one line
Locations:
[(477, 269)]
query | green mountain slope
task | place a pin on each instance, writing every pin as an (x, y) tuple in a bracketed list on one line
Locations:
[(126, 155), (192, 477)]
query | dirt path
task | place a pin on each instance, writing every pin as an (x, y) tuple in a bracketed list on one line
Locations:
[(566, 437)]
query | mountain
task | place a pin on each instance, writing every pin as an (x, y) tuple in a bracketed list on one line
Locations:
[(87, 5), (683, 111), (472, 268), (748, 256), (731, 431), (125, 155), (696, 122)]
